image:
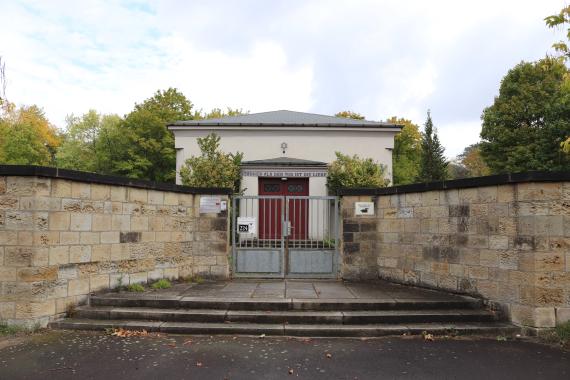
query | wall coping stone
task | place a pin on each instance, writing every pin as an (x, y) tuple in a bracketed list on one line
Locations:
[(75, 175), (492, 180)]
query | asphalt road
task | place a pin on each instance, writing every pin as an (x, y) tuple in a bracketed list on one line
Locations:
[(89, 355)]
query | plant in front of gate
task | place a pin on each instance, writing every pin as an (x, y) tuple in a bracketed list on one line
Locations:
[(347, 171), (163, 283), (213, 168), (135, 288)]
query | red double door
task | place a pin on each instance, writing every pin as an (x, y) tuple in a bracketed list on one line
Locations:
[(270, 210)]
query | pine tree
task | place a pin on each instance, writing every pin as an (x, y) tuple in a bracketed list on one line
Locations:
[(433, 166)]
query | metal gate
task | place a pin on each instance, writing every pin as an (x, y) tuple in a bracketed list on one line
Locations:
[(285, 236)]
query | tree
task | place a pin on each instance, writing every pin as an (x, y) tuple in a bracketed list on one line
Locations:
[(529, 119), (26, 136), (558, 21), (86, 145), (472, 160), (407, 152), (349, 115), (433, 166), (354, 171), (217, 113), (149, 152), (213, 168)]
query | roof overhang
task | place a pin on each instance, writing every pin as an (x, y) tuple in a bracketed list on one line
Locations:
[(288, 127)]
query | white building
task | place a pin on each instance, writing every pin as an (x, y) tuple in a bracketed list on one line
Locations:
[(286, 152), (285, 224)]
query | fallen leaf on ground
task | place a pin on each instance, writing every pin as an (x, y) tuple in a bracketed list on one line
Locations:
[(124, 333)]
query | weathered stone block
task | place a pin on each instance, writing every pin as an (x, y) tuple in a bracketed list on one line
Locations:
[(69, 237), (78, 287), (101, 252), (61, 188), (544, 317), (98, 282), (505, 193), (59, 255), (101, 222), (539, 191), (549, 225), (79, 254), (37, 274), (137, 278), (562, 315), (488, 194), (549, 261), (89, 238), (172, 199), (100, 192), (80, 222), (7, 310), (478, 272), (31, 310), (121, 222), (80, 190), (508, 260), (498, 242), (139, 223), (130, 237), (18, 256)]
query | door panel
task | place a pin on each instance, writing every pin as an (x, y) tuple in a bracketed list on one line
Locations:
[(298, 209), (270, 210)]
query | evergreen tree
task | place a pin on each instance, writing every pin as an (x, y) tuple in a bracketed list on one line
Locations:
[(433, 166)]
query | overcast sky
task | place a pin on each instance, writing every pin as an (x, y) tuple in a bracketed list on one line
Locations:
[(378, 58)]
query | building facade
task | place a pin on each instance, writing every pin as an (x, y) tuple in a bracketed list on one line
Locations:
[(286, 152)]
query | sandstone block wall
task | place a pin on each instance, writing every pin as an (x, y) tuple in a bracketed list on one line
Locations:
[(61, 240), (508, 243)]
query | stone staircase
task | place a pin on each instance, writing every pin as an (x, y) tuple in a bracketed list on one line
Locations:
[(331, 317)]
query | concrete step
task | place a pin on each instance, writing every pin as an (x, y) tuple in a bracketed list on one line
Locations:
[(330, 330), (272, 304), (291, 317)]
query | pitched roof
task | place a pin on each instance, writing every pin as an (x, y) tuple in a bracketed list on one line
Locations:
[(285, 118), (283, 161)]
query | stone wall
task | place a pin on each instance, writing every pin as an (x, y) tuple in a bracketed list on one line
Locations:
[(501, 238), (62, 239)]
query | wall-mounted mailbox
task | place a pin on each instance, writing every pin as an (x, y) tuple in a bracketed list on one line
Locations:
[(364, 208)]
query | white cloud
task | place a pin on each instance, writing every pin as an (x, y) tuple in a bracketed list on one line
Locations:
[(379, 58)]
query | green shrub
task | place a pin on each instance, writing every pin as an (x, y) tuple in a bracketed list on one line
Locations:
[(161, 284), (563, 332), (354, 171), (5, 329), (213, 168), (137, 288)]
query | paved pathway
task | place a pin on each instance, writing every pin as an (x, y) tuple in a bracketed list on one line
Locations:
[(300, 289), (87, 355)]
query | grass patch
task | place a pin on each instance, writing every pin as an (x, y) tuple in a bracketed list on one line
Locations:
[(9, 330), (193, 279), (563, 333), (136, 288), (6, 330), (162, 284)]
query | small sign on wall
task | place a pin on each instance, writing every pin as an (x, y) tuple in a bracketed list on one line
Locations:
[(210, 205), (364, 208), (246, 225)]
